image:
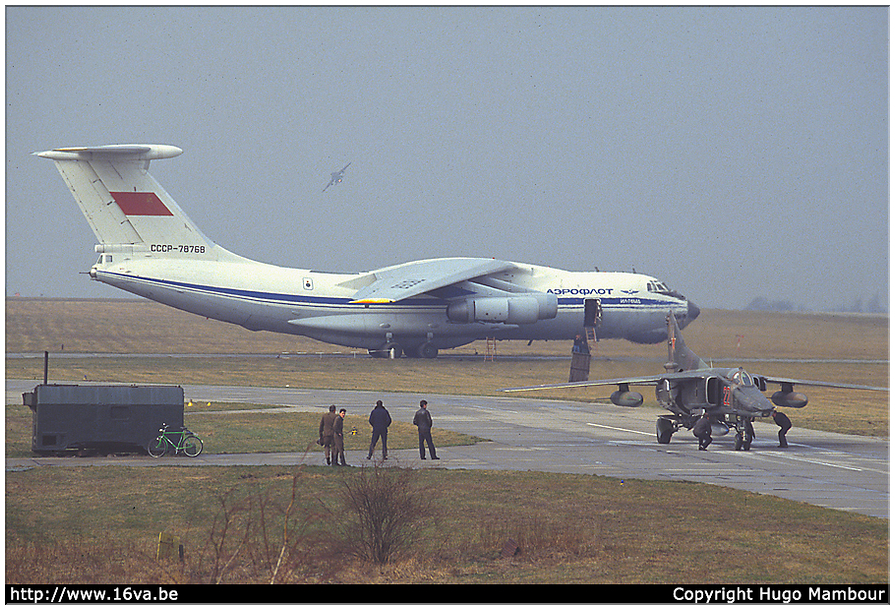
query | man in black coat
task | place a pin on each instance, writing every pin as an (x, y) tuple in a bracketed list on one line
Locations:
[(380, 420), (703, 431), (422, 419), (782, 420)]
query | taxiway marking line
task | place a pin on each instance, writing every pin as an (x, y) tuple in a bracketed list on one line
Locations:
[(620, 429)]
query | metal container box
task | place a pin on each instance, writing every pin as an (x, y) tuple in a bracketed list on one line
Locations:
[(104, 419)]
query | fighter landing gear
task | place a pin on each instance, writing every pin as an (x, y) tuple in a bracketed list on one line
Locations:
[(745, 434), (665, 427)]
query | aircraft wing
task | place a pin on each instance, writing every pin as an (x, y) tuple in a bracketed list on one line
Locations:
[(655, 379), (646, 380), (651, 380), (412, 279), (821, 384)]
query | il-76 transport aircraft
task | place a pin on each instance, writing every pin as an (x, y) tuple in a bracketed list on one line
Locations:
[(149, 247)]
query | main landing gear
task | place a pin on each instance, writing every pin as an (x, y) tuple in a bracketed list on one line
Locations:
[(666, 426)]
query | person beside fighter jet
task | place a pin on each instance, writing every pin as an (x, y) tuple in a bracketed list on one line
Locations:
[(702, 430)]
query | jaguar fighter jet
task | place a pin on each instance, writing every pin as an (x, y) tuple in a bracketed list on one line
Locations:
[(148, 246), (689, 387)]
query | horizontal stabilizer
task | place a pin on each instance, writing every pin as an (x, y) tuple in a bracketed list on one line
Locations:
[(120, 151)]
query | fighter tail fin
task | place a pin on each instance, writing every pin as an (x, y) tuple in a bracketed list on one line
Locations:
[(680, 357), (123, 203)]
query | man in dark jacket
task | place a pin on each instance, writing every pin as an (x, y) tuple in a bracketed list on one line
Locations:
[(703, 431), (782, 420), (380, 420), (423, 422)]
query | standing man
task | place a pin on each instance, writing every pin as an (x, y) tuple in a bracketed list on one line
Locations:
[(782, 420), (380, 420), (703, 431), (339, 439), (326, 431), (423, 422)]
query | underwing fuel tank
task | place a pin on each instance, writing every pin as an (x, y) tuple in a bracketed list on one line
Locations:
[(626, 398), (795, 400)]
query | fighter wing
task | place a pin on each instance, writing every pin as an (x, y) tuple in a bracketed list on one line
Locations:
[(412, 279), (647, 380), (821, 384)]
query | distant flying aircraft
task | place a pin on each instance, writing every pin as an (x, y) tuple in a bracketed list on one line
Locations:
[(732, 397), (149, 247), (336, 177)]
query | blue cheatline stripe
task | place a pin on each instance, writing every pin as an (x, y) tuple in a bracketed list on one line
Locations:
[(618, 302)]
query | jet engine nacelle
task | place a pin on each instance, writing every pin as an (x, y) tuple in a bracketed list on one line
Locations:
[(526, 309), (796, 400), (626, 398)]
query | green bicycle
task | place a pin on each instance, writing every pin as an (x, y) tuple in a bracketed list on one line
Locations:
[(176, 440)]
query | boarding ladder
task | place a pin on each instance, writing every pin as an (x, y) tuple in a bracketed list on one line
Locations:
[(591, 333), (490, 348)]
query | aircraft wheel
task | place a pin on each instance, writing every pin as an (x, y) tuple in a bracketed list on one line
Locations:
[(742, 442), (664, 430), (427, 350)]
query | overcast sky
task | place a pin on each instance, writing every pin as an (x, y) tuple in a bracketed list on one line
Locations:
[(731, 152)]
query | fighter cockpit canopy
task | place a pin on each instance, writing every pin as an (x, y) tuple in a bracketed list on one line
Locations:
[(740, 376)]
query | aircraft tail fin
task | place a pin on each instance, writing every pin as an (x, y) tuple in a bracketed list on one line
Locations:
[(680, 357), (123, 203)]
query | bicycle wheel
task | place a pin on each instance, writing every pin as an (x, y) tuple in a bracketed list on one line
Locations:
[(157, 448), (192, 446)]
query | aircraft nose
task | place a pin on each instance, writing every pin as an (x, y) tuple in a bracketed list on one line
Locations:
[(750, 399), (692, 311)]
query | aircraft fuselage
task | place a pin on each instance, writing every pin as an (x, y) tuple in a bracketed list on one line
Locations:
[(319, 305)]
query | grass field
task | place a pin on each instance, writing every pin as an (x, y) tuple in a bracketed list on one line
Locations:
[(104, 526), (87, 525)]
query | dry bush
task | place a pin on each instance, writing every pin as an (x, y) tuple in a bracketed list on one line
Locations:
[(386, 511)]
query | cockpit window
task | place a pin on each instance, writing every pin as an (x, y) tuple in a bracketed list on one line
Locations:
[(740, 377), (662, 288)]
